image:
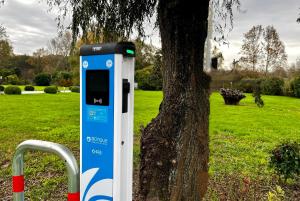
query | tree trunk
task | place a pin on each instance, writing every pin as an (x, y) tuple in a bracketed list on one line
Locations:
[(174, 146)]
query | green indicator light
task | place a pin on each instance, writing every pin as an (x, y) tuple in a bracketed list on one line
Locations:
[(129, 51)]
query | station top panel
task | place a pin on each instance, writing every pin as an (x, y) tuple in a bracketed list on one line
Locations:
[(125, 48)]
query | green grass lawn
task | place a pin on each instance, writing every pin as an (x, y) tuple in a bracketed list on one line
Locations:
[(240, 136), (39, 88)]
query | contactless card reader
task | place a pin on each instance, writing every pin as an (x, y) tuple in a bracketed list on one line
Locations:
[(106, 121)]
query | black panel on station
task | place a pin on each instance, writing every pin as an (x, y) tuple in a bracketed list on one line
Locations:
[(97, 87)]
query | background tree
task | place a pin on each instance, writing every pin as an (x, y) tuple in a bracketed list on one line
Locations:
[(180, 130), (2, 33), (274, 49), (6, 50), (251, 50), (21, 62), (60, 45), (298, 63), (37, 60), (145, 54), (59, 51), (150, 77)]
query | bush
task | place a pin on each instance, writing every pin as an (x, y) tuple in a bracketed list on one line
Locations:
[(12, 90), (246, 85), (75, 89), (29, 88), (232, 96), (272, 86), (51, 90), (295, 87), (257, 94), (2, 88), (43, 79), (13, 79), (64, 79), (285, 159), (149, 78), (287, 89)]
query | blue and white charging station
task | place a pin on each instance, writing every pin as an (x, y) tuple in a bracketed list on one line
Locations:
[(106, 121)]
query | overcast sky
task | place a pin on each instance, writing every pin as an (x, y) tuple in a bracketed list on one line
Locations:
[(282, 14), (30, 25)]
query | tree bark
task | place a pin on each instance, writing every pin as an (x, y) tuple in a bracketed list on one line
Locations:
[(174, 146)]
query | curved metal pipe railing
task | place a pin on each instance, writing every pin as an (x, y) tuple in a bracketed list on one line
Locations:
[(57, 149)]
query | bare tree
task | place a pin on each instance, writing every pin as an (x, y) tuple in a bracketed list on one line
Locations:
[(263, 46), (6, 49), (3, 35), (60, 45), (298, 63), (251, 50), (274, 50)]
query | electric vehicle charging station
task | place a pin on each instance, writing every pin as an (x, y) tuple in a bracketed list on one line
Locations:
[(106, 121)]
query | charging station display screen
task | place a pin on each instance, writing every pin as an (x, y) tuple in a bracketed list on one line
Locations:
[(97, 87)]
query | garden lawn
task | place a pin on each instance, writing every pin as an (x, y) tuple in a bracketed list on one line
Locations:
[(38, 88), (240, 136)]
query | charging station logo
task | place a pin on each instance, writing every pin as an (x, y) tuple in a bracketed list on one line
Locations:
[(97, 49), (100, 190), (109, 63), (85, 64)]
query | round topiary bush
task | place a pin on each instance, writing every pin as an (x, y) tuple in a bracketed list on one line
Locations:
[(232, 96), (75, 89), (2, 88), (13, 90), (29, 88), (43, 79), (285, 159), (51, 90)]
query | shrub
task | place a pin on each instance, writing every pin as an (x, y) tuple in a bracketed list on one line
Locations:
[(232, 96), (64, 79), (287, 89), (51, 90), (246, 85), (29, 88), (285, 159), (75, 89), (2, 88), (13, 79), (272, 86), (295, 87), (43, 79), (149, 78), (257, 94), (12, 90)]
